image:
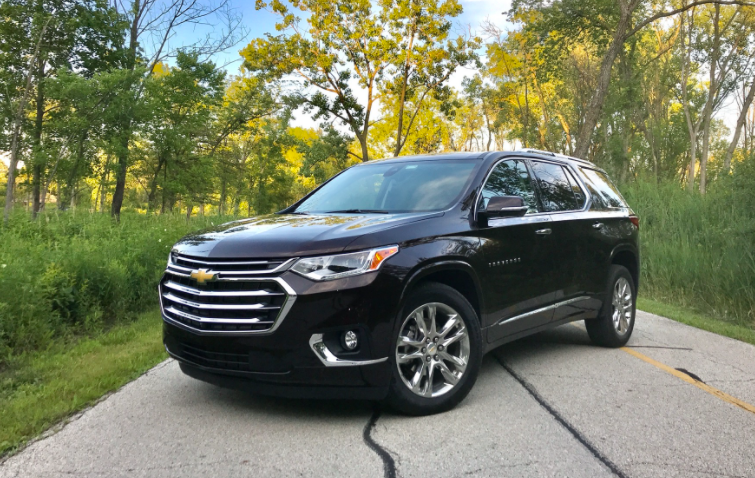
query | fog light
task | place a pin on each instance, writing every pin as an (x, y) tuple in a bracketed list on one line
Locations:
[(350, 340)]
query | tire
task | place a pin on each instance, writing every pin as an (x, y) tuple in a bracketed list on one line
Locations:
[(443, 382), (607, 330)]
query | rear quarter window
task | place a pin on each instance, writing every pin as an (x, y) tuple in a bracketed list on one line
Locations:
[(604, 193)]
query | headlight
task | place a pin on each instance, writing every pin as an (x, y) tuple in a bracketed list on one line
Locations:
[(343, 265)]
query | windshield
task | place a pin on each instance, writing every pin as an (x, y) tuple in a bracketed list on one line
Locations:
[(390, 188)]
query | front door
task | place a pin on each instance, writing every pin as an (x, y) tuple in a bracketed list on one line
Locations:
[(518, 257)]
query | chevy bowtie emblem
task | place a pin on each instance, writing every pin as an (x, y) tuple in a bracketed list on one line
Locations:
[(202, 276)]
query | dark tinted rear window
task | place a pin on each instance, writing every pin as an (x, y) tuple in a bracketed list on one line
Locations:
[(556, 193), (604, 193)]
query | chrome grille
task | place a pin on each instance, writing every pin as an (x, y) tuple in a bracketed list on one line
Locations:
[(233, 301), (227, 267)]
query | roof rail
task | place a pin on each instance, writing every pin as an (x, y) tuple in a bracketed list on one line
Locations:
[(532, 150), (555, 155)]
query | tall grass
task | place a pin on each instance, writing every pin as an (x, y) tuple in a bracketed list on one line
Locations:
[(73, 273), (699, 251)]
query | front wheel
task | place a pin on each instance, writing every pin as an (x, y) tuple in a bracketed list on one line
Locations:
[(616, 321), (437, 352)]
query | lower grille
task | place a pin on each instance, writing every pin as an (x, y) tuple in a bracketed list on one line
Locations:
[(223, 361), (256, 362), (230, 305)]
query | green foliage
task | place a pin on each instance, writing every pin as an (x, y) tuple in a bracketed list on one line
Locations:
[(75, 273), (44, 387), (699, 251)]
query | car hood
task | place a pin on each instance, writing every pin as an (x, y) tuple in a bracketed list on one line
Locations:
[(289, 235)]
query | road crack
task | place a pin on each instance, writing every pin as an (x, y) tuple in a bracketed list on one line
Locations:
[(389, 465), (563, 422)]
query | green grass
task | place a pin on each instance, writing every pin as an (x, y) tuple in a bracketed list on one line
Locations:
[(43, 387), (70, 274), (698, 252), (698, 320)]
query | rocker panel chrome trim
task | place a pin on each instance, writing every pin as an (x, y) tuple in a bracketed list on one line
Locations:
[(542, 309)]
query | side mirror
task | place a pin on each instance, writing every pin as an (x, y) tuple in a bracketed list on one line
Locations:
[(503, 206)]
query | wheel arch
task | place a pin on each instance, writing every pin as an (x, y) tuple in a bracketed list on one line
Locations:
[(456, 274), (628, 257)]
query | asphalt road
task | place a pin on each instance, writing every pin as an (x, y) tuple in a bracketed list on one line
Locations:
[(550, 405)]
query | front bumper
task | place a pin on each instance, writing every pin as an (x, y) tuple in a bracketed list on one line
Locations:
[(302, 358)]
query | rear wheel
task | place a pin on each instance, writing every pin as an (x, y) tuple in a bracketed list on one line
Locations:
[(437, 353), (616, 321)]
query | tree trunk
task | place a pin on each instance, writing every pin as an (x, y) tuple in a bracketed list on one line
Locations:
[(363, 143), (15, 140), (152, 196), (72, 175), (402, 99), (103, 183), (120, 172), (122, 154), (604, 80), (221, 203), (692, 127), (37, 169), (738, 130), (708, 111)]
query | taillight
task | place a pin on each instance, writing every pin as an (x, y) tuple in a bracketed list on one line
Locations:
[(636, 221)]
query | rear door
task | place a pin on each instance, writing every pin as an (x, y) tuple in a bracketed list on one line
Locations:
[(605, 226), (517, 256), (564, 199)]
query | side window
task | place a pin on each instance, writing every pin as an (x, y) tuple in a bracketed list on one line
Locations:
[(556, 193), (510, 178), (579, 194), (604, 193)]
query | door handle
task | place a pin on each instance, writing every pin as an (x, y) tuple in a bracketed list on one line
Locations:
[(597, 225), (543, 232)]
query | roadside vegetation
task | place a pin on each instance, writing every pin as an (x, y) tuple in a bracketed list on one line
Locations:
[(698, 252), (75, 273), (42, 388)]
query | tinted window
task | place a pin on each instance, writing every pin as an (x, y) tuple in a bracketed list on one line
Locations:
[(579, 194), (394, 187), (510, 178), (556, 193), (604, 193)]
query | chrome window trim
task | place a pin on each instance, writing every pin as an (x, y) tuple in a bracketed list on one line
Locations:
[(575, 173), (585, 191), (329, 359), (485, 181), (284, 310)]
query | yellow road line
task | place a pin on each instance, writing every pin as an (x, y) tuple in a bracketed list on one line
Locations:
[(702, 386)]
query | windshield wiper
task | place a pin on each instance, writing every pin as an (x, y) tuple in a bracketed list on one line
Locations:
[(299, 213), (360, 211)]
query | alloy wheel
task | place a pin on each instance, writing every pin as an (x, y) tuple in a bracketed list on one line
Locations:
[(622, 305), (432, 350)]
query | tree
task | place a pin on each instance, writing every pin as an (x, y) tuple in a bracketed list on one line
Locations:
[(612, 22), (17, 119), (424, 57), (155, 23), (352, 48)]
